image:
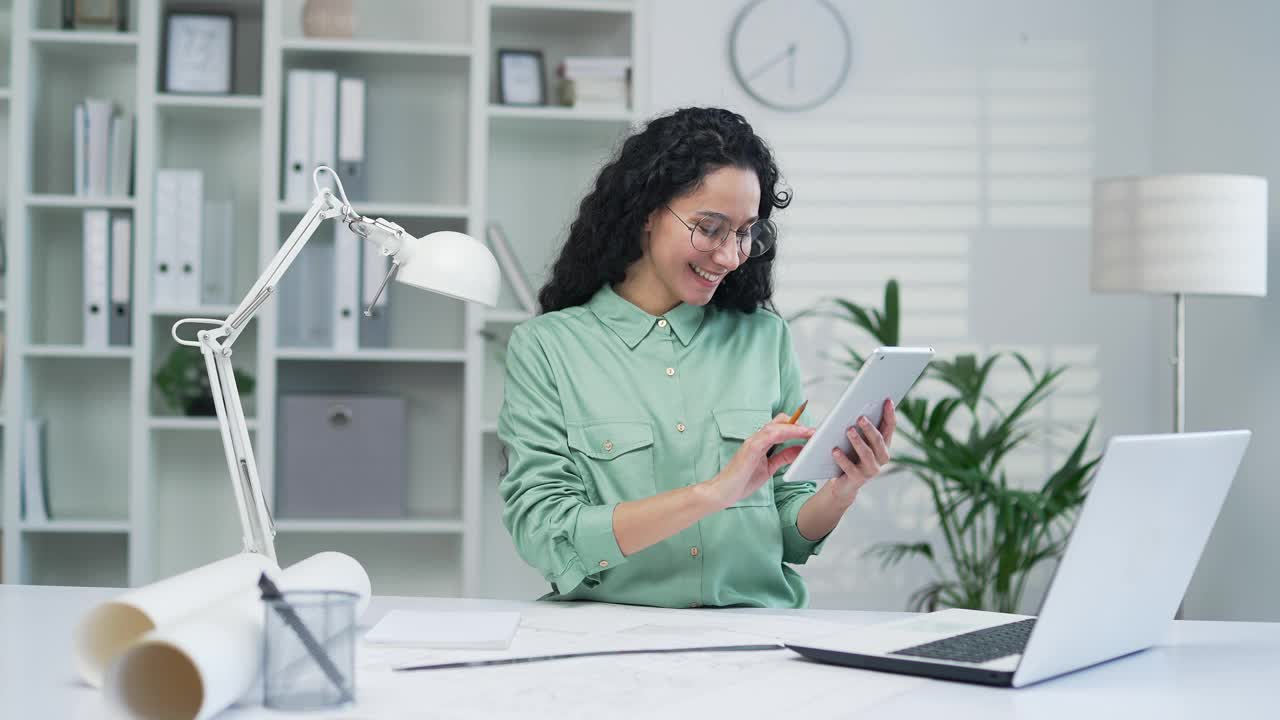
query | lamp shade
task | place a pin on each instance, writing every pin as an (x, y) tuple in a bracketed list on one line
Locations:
[(1191, 234), (453, 264)]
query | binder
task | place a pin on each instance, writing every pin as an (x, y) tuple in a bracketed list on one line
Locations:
[(98, 113), (218, 256), (307, 297), (80, 138), (511, 269), (297, 141), (375, 330), (190, 229), (346, 284), (351, 138), (118, 325), (121, 155), (165, 248), (96, 267), (35, 498), (324, 121)]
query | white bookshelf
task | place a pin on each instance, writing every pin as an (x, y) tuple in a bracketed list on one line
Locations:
[(145, 492)]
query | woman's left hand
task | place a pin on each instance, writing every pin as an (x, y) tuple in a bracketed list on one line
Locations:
[(868, 457)]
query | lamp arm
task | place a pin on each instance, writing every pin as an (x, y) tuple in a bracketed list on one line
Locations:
[(257, 527)]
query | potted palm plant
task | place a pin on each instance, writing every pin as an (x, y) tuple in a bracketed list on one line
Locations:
[(994, 532)]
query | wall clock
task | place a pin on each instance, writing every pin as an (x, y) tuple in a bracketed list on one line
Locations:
[(790, 55)]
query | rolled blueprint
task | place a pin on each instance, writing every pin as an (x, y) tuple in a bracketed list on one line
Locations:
[(200, 666), (110, 628)]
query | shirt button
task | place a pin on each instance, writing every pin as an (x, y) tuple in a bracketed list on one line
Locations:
[(662, 323), (695, 605), (680, 427), (671, 371), (604, 563), (608, 446), (693, 551)]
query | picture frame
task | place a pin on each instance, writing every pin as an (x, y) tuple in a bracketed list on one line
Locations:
[(521, 77), (199, 51), (93, 13)]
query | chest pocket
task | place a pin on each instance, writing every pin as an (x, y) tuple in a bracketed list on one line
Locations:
[(734, 427), (615, 458)]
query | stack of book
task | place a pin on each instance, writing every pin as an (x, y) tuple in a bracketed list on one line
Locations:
[(103, 149), (595, 83)]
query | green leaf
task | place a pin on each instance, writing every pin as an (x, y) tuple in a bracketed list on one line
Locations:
[(894, 553), (892, 328)]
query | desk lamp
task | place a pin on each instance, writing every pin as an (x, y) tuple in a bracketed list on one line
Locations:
[(449, 263)]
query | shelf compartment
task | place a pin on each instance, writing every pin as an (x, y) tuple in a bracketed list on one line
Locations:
[(433, 432), (88, 559), (574, 29), (194, 520), (47, 17), (244, 357), (408, 23), (561, 161), (70, 71), (222, 146), (417, 119), (86, 408)]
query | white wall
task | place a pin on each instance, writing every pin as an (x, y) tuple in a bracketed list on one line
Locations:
[(1217, 110), (957, 158)]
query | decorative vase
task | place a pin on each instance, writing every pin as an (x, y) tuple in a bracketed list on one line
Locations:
[(329, 18)]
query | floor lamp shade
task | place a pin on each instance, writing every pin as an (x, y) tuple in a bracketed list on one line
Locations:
[(1180, 234)]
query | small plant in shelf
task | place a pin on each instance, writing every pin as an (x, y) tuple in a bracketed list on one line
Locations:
[(184, 383)]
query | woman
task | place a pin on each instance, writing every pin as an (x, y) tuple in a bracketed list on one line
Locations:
[(641, 408)]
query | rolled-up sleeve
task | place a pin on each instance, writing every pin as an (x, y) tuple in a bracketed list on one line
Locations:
[(547, 507), (790, 497)]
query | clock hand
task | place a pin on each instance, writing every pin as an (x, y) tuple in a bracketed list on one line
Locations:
[(791, 67), (788, 52)]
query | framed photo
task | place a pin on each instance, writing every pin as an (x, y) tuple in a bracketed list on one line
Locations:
[(94, 12), (521, 80), (199, 51)]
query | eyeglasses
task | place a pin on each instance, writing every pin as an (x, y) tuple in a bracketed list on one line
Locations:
[(710, 232)]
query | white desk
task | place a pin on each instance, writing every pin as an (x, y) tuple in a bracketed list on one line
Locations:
[(1203, 670)]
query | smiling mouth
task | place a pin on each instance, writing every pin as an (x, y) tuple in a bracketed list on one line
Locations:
[(705, 275)]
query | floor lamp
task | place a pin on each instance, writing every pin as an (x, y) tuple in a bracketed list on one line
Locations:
[(1180, 235)]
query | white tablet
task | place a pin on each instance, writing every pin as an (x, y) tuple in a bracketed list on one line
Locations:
[(889, 372)]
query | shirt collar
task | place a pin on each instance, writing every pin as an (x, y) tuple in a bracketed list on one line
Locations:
[(631, 324)]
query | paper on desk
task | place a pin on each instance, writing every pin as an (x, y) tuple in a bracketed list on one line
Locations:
[(199, 666), (555, 628), (755, 684), (478, 630), (113, 626)]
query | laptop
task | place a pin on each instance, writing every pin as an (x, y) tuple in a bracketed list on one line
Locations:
[(1127, 564)]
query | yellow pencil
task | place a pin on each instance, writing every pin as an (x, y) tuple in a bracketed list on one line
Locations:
[(796, 415)]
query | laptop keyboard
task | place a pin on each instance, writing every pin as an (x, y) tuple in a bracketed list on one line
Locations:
[(979, 646)]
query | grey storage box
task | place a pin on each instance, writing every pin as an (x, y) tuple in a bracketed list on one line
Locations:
[(341, 456)]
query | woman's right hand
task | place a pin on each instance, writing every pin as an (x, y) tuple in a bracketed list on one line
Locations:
[(752, 466)]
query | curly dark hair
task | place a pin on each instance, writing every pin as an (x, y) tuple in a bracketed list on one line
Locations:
[(669, 157)]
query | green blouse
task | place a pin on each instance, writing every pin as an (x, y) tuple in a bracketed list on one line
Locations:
[(605, 403)]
